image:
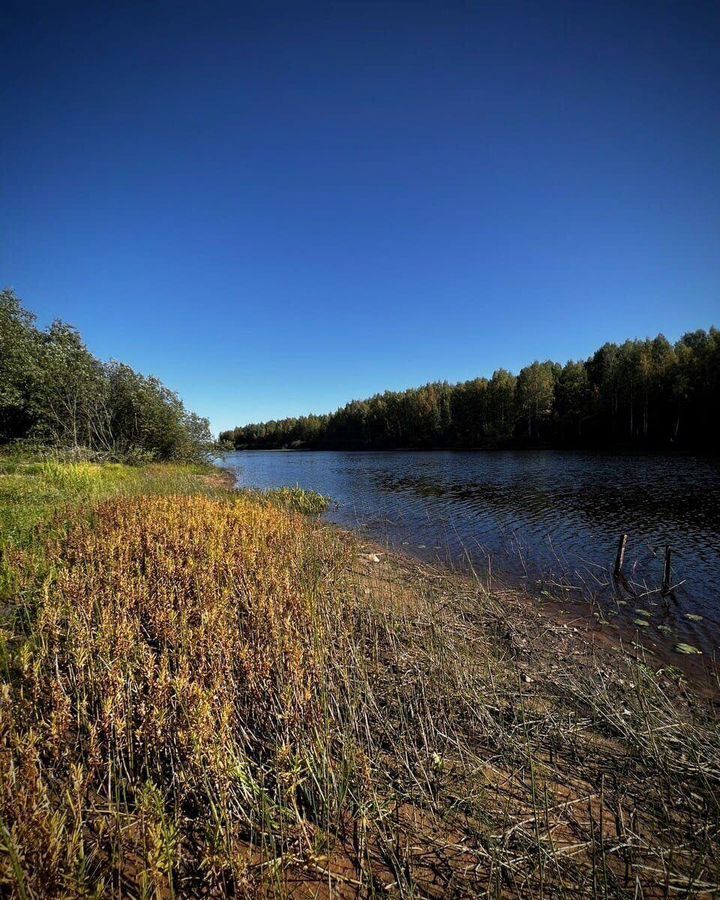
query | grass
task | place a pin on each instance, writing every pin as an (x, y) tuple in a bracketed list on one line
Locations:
[(209, 693)]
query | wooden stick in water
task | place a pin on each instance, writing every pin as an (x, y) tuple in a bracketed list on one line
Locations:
[(620, 558), (667, 571)]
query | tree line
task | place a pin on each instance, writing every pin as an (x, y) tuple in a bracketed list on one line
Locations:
[(54, 392), (643, 393)]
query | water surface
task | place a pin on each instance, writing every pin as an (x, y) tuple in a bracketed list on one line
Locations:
[(541, 518)]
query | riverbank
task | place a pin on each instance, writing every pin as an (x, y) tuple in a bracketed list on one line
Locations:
[(206, 691), (548, 522)]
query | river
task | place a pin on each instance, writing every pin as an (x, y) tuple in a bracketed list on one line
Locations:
[(548, 520)]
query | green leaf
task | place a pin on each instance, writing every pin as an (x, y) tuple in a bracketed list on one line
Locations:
[(686, 648)]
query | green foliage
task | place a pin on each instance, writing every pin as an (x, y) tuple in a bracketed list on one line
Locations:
[(688, 649), (644, 393), (54, 392), (535, 394), (34, 487), (19, 374), (309, 503)]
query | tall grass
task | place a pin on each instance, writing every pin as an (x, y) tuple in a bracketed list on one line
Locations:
[(166, 683), (206, 693)]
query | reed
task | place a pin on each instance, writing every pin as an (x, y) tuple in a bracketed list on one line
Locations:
[(207, 693)]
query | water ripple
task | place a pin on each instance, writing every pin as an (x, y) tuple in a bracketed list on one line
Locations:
[(534, 513)]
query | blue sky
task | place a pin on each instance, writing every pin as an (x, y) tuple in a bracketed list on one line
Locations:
[(277, 207)]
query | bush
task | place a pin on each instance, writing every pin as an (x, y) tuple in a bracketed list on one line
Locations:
[(55, 393)]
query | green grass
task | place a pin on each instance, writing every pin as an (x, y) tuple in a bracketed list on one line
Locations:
[(33, 489), (297, 499)]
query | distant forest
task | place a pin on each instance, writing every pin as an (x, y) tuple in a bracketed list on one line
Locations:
[(643, 393), (54, 392)]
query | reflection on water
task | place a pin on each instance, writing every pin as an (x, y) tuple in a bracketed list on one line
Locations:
[(532, 514)]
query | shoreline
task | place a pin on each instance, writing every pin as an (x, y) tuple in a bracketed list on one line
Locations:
[(574, 618), (210, 689), (611, 450), (564, 611)]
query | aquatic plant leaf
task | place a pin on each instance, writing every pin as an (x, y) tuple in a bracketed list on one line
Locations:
[(686, 648)]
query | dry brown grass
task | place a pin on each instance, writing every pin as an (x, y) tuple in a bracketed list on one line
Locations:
[(158, 700), (539, 763)]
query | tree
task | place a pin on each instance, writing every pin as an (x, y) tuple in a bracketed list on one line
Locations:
[(501, 404), (72, 391), (604, 373), (535, 394), (54, 390), (642, 392), (19, 371), (469, 412), (573, 398)]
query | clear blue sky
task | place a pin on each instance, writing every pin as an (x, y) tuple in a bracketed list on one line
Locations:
[(277, 207)]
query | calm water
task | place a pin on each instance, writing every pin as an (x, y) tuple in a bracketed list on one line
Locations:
[(538, 517)]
